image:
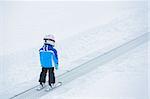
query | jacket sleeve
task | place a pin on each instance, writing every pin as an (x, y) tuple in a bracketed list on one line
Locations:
[(55, 58), (55, 61)]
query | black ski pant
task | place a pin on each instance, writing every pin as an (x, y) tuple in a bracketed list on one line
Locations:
[(51, 75)]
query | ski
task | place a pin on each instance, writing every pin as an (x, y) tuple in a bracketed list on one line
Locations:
[(39, 89), (55, 86)]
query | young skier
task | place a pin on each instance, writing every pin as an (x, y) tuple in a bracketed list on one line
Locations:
[(49, 61)]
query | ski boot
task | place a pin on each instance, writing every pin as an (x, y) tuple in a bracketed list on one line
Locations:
[(49, 87), (41, 86)]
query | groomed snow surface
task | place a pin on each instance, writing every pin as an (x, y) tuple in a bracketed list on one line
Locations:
[(122, 78)]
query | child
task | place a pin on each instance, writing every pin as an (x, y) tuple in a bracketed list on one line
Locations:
[(48, 60)]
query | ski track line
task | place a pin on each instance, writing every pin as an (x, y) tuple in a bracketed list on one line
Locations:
[(85, 67)]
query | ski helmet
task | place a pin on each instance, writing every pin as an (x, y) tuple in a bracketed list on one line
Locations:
[(49, 39)]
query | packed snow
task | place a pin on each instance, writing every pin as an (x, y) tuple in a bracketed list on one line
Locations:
[(20, 67), (122, 78)]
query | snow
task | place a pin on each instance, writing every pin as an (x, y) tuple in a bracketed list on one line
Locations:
[(148, 69), (80, 37), (122, 78), (26, 22), (85, 68)]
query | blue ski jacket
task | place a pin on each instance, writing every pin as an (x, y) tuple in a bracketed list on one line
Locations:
[(48, 56)]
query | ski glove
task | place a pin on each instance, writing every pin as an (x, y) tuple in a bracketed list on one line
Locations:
[(56, 67)]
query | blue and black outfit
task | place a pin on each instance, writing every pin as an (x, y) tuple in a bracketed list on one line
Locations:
[(49, 61)]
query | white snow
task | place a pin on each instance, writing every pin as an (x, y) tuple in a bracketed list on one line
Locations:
[(81, 37), (148, 69), (122, 78)]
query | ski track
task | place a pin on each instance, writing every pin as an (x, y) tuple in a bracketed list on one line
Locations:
[(84, 68)]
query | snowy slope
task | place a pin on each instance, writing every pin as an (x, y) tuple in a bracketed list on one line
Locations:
[(148, 68), (115, 33), (122, 78), (21, 68), (80, 70)]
